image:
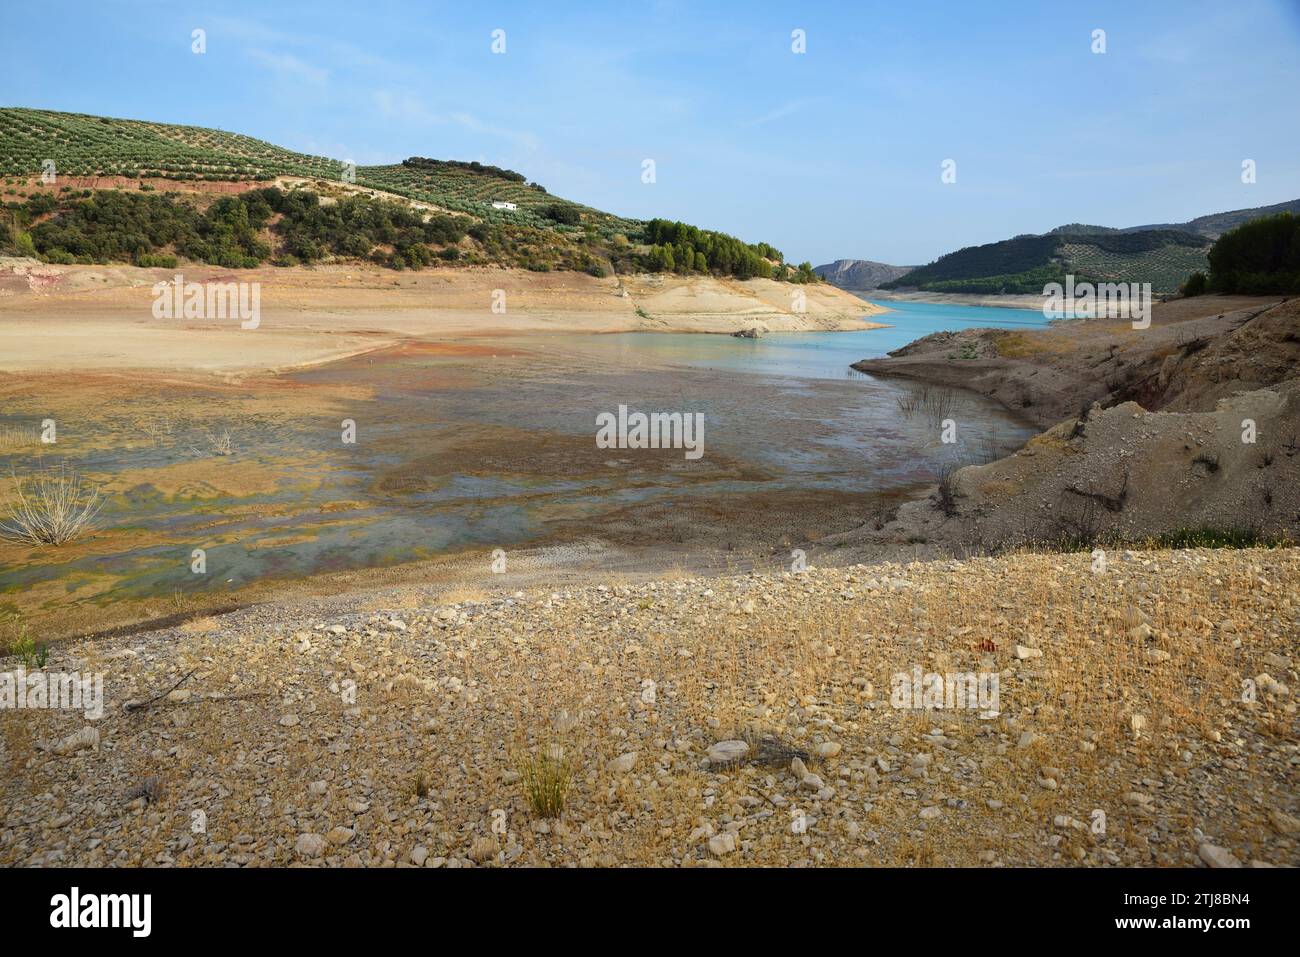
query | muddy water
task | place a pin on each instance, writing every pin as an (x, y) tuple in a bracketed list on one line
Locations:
[(477, 445)]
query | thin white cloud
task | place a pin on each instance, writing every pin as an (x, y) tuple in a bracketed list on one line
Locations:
[(522, 138), (404, 108), (786, 109), (288, 66), (338, 53)]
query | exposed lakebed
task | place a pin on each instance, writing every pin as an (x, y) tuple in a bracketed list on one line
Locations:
[(481, 444)]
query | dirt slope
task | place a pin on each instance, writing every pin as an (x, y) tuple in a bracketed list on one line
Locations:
[(1051, 374), (1192, 423)]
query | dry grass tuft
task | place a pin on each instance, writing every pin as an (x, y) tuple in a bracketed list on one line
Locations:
[(935, 403), (546, 774)]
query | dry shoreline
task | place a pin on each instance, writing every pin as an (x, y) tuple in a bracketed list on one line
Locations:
[(1184, 427), (1048, 374), (100, 318), (1034, 303)]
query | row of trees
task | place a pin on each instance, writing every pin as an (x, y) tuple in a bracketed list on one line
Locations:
[(680, 247), (1141, 241), (115, 226), (473, 166), (245, 230)]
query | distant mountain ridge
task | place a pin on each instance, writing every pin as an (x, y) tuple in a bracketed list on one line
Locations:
[(1211, 226), (1163, 254), (860, 274)]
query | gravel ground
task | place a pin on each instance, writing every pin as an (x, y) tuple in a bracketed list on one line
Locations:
[(1143, 717)]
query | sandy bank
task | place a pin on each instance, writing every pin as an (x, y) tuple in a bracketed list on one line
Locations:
[(86, 317), (1001, 301)]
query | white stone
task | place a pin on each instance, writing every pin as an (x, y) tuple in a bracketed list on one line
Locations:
[(623, 763), (87, 737), (1217, 856), (310, 845), (723, 843), (725, 751)]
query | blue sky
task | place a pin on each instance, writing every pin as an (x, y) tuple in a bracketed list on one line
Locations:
[(834, 153)]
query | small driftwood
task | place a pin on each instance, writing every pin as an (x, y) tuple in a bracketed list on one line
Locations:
[(149, 703)]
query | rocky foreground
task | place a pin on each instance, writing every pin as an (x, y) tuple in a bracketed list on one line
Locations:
[(1143, 717)]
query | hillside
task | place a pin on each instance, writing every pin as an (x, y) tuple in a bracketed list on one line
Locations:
[(1163, 254), (859, 274), (1025, 264), (1214, 225), (1211, 226), (84, 146), (231, 200)]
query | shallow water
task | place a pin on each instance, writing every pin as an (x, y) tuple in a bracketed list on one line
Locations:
[(809, 355), (494, 447)]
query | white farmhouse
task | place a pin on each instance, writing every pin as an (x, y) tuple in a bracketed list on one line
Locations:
[(501, 204)]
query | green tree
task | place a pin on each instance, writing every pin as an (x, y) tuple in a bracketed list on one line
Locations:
[(1195, 285), (562, 213), (1260, 257)]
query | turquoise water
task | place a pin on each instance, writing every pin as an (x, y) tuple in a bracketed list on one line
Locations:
[(808, 355)]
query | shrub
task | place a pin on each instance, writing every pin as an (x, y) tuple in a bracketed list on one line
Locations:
[(1195, 285), (149, 260), (24, 647), (563, 214), (50, 508)]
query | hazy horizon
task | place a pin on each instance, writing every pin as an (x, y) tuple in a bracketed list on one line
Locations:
[(834, 153)]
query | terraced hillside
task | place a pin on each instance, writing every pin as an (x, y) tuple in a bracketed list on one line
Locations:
[(1165, 267), (1025, 264), (461, 188), (503, 219), (82, 145)]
